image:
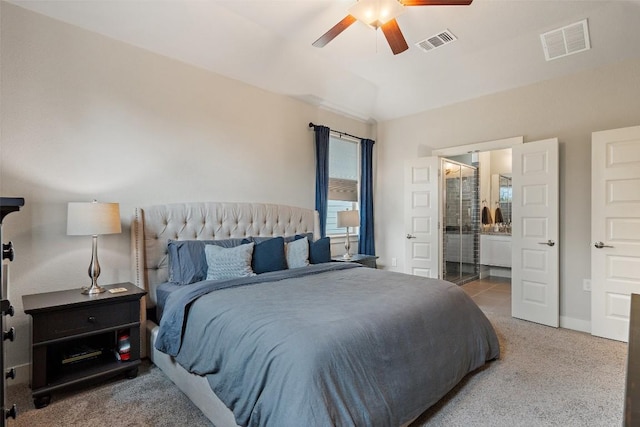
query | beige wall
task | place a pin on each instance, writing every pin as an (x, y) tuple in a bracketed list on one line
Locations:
[(84, 117), (570, 108)]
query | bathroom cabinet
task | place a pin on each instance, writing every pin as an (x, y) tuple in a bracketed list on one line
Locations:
[(495, 250)]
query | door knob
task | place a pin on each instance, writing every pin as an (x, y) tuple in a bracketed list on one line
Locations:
[(601, 245), (410, 236), (548, 243)]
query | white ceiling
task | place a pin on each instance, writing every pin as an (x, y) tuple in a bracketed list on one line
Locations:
[(267, 43)]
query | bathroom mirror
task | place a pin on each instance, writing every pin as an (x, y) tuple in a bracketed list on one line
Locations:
[(505, 197), (501, 197)]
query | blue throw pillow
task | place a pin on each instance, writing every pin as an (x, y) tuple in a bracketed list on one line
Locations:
[(268, 255), (187, 260), (320, 251), (287, 239)]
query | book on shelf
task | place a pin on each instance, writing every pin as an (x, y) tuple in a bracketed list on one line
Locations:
[(80, 353)]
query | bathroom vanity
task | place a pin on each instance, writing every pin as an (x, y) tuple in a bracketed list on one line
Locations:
[(495, 249)]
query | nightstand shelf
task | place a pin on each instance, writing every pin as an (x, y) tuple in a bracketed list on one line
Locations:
[(366, 260), (74, 337), (87, 371)]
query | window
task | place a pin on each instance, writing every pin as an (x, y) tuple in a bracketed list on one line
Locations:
[(343, 182)]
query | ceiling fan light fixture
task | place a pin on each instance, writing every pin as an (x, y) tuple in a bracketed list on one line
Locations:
[(376, 13)]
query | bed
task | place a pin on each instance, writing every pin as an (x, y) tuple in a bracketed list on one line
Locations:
[(320, 344)]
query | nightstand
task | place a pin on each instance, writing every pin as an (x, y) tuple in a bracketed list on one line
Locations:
[(74, 337), (366, 260)]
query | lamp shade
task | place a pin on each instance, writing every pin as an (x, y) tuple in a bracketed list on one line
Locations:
[(348, 219), (93, 218)]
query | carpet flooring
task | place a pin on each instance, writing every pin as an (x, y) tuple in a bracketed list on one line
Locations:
[(545, 377)]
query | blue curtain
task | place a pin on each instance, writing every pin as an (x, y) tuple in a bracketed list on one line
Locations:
[(322, 175), (366, 244)]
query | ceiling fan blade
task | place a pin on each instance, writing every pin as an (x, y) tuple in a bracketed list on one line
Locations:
[(436, 2), (394, 36), (333, 32)]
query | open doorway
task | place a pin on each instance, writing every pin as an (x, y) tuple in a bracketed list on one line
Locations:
[(476, 202), (424, 223), (476, 213)]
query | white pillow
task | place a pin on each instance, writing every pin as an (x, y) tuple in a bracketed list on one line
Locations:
[(227, 263), (297, 253)]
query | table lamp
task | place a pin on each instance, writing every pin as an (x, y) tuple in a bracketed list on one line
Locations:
[(93, 219), (348, 219)]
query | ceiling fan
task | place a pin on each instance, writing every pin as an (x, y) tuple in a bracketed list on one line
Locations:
[(382, 14)]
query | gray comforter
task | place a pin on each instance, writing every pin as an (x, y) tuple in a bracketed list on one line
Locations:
[(337, 346)]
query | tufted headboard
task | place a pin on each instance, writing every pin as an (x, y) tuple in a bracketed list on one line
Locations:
[(152, 227)]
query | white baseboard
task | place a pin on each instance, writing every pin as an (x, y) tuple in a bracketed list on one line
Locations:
[(575, 324)]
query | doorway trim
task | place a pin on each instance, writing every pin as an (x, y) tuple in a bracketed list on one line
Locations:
[(498, 144)]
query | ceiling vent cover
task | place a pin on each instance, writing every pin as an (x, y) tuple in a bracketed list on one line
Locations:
[(437, 40), (565, 41)]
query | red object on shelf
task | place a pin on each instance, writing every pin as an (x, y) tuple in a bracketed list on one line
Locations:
[(124, 346)]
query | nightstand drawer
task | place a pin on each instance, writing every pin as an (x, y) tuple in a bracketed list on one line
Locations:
[(59, 324)]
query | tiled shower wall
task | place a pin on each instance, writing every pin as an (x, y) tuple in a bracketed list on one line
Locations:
[(462, 227)]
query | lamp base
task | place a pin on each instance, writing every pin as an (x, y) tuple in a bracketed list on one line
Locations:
[(91, 290), (347, 247), (94, 270)]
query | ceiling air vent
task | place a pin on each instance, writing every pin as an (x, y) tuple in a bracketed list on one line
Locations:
[(565, 41), (436, 41)]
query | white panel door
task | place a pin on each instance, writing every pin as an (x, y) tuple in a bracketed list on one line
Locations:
[(535, 267), (615, 229), (422, 237)]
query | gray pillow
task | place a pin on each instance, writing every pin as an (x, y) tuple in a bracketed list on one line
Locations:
[(187, 263), (297, 253), (227, 263)]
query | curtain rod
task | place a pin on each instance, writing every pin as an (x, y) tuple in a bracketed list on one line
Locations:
[(311, 125)]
